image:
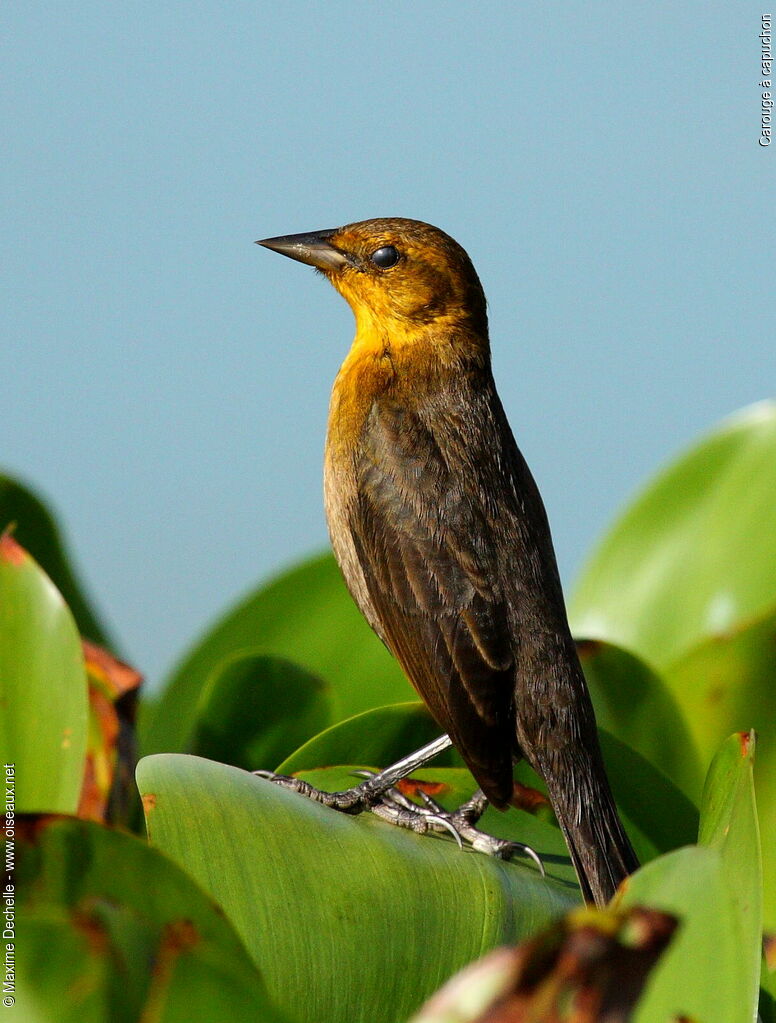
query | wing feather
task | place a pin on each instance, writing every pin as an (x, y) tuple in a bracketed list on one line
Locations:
[(429, 564)]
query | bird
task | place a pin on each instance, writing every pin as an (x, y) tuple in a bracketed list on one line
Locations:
[(441, 534)]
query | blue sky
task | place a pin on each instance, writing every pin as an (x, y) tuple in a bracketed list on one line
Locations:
[(165, 381)]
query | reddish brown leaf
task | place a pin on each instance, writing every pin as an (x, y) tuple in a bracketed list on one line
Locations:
[(92, 928), (588, 968), (414, 786), (524, 797), (10, 550), (769, 950), (116, 677), (110, 754), (177, 938), (746, 741)]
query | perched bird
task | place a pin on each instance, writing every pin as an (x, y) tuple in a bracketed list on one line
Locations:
[(441, 534)]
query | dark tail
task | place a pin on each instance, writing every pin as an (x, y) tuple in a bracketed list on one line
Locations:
[(557, 735), (583, 803)]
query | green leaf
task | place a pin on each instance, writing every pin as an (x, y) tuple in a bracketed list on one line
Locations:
[(379, 917), (687, 579), (377, 738), (702, 975), (306, 616), (36, 530), (254, 710), (110, 929), (726, 684), (657, 815), (43, 687), (633, 703), (727, 681), (695, 554), (62, 976), (711, 970), (729, 824)]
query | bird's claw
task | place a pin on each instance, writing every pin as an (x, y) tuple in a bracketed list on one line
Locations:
[(461, 823), (389, 804)]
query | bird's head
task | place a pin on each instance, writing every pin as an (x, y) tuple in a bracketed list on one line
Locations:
[(399, 276)]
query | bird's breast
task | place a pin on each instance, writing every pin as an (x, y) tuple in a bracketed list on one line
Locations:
[(366, 374), (384, 386)]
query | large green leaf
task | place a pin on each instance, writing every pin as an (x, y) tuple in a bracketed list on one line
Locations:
[(377, 737), (349, 918), (37, 532), (306, 616), (687, 578), (702, 975), (657, 815), (727, 683), (254, 710), (43, 687), (634, 703), (110, 929), (695, 555), (712, 968), (729, 824)]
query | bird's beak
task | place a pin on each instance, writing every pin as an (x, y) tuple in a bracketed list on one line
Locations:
[(313, 249)]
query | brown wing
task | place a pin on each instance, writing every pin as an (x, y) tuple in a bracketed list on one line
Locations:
[(428, 559)]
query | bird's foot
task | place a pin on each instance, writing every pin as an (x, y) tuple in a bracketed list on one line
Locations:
[(389, 804), (461, 823)]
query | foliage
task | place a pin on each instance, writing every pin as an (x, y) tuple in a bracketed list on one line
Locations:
[(686, 579), (244, 894)]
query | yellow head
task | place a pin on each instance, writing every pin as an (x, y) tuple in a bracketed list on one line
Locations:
[(400, 277)]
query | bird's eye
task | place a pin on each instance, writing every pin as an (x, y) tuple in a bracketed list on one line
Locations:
[(385, 257)]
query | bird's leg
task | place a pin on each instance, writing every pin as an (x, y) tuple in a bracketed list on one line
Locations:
[(378, 793), (369, 792)]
